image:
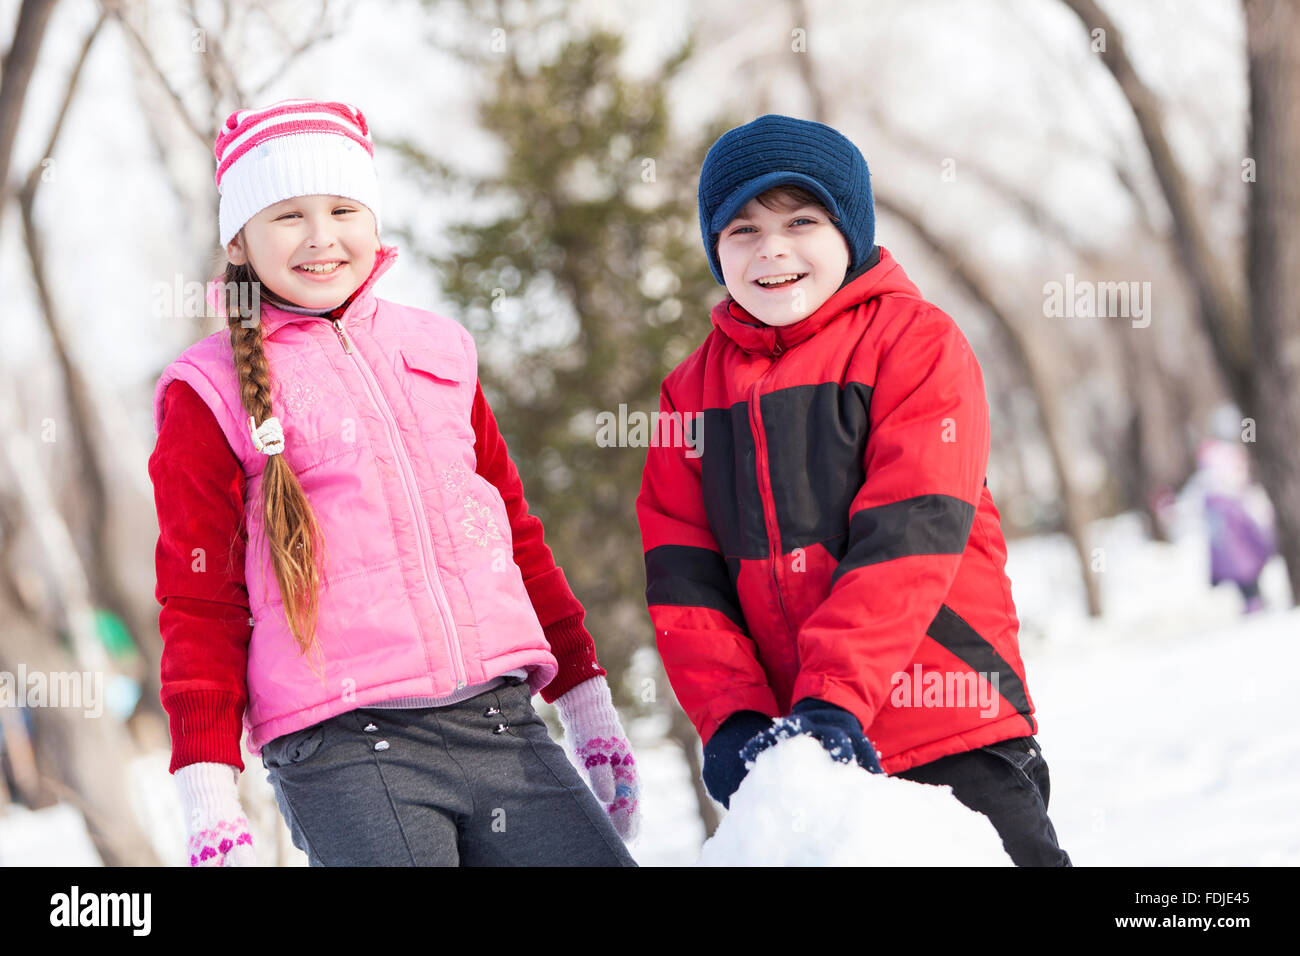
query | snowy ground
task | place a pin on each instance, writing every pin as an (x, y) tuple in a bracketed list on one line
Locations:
[(1168, 725)]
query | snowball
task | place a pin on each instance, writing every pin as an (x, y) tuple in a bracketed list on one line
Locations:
[(798, 807)]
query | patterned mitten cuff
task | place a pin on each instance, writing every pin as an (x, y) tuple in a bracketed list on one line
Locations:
[(218, 830)]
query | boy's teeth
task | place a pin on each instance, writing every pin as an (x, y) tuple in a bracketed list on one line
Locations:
[(777, 280)]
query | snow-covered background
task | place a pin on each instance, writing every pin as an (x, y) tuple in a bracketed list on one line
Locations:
[(1168, 727), (1167, 724)]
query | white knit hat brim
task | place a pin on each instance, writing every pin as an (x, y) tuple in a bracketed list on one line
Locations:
[(301, 164)]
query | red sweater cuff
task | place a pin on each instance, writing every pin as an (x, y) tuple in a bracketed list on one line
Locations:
[(206, 727), (576, 653)]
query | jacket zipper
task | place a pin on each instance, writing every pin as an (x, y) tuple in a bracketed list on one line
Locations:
[(408, 482), (765, 481)]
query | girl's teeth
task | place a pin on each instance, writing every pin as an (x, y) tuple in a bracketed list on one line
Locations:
[(329, 268)]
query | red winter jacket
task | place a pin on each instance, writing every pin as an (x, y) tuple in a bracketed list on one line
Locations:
[(836, 537), (205, 624)]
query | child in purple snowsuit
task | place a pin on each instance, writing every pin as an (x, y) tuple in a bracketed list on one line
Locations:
[(1240, 545)]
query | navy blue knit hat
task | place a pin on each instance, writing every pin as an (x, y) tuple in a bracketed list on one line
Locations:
[(778, 150)]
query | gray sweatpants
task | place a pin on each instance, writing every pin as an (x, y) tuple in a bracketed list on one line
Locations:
[(439, 786)]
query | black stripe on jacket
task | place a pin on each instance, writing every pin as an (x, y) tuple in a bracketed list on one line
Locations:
[(964, 642), (685, 576), (816, 441), (729, 476), (926, 524)]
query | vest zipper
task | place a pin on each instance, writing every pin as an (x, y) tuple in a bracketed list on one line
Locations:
[(343, 336), (421, 526)]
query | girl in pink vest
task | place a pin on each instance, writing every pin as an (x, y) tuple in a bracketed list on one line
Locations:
[(346, 563)]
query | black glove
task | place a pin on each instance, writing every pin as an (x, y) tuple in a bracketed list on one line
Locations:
[(833, 727), (723, 767)]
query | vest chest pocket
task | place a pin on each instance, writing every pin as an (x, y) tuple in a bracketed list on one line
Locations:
[(435, 379)]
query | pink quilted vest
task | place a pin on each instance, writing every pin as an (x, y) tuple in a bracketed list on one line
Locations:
[(421, 596)]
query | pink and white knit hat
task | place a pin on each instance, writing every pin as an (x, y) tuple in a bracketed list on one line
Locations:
[(292, 148)]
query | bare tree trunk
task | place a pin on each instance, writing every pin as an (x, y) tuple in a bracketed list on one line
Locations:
[(117, 563), (19, 64), (87, 755), (21, 758), (1262, 371), (58, 554), (80, 759), (1273, 271), (109, 491), (1133, 464)]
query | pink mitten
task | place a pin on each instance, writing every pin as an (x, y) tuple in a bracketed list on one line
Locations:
[(591, 724)]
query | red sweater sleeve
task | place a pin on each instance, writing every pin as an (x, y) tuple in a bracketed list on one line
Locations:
[(205, 625), (559, 612)]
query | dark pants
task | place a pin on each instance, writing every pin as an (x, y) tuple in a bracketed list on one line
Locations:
[(479, 783), (1008, 783)]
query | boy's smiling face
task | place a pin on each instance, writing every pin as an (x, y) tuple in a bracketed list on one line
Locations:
[(284, 238), (796, 241)]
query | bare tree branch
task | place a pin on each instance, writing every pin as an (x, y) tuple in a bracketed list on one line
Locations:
[(19, 64), (317, 35), (34, 177), (1221, 308), (1017, 345), (146, 55), (87, 413), (208, 62), (1015, 342)]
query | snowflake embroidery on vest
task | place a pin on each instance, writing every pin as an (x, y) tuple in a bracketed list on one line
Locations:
[(302, 396), (455, 477), (480, 527)]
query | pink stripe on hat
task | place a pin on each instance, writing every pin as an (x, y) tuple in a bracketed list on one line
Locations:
[(287, 128), (249, 128)]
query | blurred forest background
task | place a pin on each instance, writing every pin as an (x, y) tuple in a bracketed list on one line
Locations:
[(538, 163)]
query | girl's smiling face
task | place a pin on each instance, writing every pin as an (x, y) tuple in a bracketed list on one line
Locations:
[(336, 235), (761, 246)]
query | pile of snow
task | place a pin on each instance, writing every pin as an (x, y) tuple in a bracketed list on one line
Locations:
[(798, 807), (51, 836)]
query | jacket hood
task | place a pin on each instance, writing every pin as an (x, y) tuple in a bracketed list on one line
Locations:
[(750, 334), (360, 303)]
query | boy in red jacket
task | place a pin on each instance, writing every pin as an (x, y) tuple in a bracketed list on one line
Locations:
[(822, 552)]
